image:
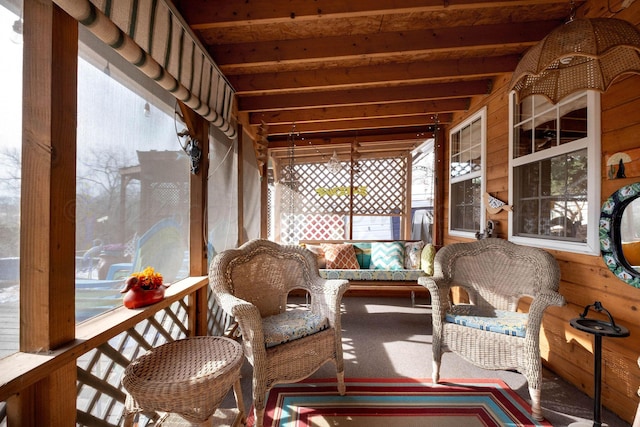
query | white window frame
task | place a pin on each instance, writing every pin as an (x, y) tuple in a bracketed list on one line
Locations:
[(592, 144), (482, 115)]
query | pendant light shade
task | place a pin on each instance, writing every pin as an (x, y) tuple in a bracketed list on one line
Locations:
[(581, 54)]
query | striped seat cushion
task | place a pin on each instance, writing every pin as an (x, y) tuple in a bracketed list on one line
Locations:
[(499, 321)]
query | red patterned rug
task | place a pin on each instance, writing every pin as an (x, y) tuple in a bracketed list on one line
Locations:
[(397, 402)]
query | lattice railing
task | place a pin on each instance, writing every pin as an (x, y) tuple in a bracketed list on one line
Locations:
[(100, 396)]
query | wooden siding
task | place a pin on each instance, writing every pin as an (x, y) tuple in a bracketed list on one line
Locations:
[(585, 279)]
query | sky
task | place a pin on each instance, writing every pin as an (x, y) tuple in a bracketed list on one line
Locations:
[(11, 75), (110, 116)]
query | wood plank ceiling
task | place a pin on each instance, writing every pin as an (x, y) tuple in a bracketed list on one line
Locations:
[(340, 69)]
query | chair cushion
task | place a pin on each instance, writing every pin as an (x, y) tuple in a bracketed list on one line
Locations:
[(500, 321), (387, 256), (340, 256), (291, 325), (412, 253), (381, 275)]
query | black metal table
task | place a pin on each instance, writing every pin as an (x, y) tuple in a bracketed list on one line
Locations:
[(599, 328)]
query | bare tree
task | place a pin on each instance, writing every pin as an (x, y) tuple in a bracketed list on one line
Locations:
[(11, 161), (98, 196)]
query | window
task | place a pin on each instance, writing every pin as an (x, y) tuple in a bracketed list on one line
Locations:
[(467, 148), (555, 179), (132, 183), (10, 173)]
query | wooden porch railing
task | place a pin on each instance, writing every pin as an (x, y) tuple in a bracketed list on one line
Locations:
[(106, 344)]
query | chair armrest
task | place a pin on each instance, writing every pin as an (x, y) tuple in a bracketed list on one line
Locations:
[(439, 290), (327, 298), (548, 298), (250, 322), (544, 299)]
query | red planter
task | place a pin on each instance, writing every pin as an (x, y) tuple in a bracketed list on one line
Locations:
[(138, 297)]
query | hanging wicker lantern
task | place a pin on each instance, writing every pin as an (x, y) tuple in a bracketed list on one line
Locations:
[(581, 54)]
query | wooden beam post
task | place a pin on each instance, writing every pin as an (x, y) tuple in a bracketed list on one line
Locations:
[(264, 201), (440, 164), (48, 204), (406, 219), (198, 235), (242, 235)]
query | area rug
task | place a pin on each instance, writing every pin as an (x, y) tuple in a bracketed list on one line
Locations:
[(397, 402)]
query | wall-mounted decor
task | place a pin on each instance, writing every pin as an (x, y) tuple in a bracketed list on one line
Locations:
[(611, 244), (624, 164), (341, 191), (495, 205)]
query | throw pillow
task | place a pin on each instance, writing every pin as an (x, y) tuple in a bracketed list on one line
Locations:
[(387, 255), (319, 253), (412, 255), (363, 254), (340, 256), (426, 259)]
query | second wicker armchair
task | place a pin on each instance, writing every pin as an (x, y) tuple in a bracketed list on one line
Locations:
[(489, 332), (251, 284)]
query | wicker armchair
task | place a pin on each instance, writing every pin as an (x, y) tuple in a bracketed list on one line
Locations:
[(496, 274), (251, 283)]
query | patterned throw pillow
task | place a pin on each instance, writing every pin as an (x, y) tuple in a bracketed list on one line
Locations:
[(340, 256), (387, 255), (412, 254), (426, 262)]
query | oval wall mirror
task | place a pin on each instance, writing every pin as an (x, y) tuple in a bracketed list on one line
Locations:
[(620, 233)]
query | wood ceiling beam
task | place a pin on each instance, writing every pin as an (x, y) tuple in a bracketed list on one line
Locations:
[(322, 154), (416, 108), (387, 74), (365, 96), (201, 15), (327, 144), (365, 46), (347, 125)]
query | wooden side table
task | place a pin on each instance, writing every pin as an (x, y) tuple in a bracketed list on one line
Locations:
[(189, 377)]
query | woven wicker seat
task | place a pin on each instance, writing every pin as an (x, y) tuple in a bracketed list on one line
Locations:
[(188, 377), (496, 274), (251, 283)]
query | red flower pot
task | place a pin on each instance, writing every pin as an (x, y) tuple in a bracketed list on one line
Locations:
[(137, 297)]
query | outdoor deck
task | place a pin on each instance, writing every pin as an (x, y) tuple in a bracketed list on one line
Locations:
[(92, 297), (10, 321)]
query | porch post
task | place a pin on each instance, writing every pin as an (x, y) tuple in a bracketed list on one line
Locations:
[(48, 204), (198, 307)]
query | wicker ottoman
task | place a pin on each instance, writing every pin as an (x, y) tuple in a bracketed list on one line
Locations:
[(189, 377)]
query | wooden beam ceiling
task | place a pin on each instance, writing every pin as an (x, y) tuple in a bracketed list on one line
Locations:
[(384, 68)]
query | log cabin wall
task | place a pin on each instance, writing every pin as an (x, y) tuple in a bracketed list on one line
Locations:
[(585, 279)]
